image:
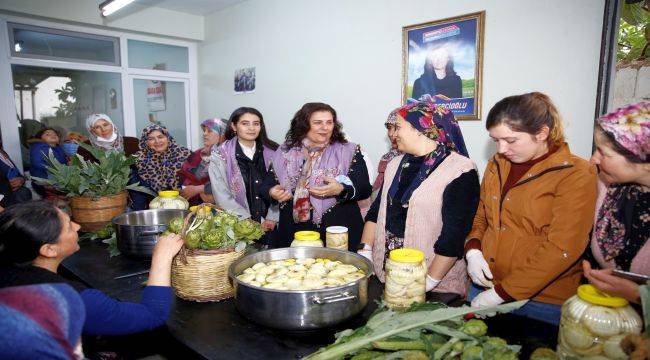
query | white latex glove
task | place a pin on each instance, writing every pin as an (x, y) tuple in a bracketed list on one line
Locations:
[(431, 283), (366, 252), (478, 269), (487, 298)]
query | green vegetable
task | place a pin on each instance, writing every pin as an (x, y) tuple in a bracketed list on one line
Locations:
[(205, 225), (406, 355), (248, 230), (165, 233), (543, 354), (387, 323), (176, 225), (193, 239), (214, 239), (399, 344), (368, 355), (501, 354), (472, 353), (474, 327)]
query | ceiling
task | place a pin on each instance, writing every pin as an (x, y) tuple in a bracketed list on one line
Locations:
[(197, 7)]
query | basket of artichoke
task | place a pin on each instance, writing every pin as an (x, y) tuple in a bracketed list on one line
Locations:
[(213, 239)]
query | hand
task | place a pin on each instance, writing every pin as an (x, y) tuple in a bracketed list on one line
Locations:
[(331, 188), (279, 194), (487, 298), (478, 269), (607, 282), (16, 182), (167, 247), (431, 283), (191, 191), (366, 252), (206, 198), (268, 225)]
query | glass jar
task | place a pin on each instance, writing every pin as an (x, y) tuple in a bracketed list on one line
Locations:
[(169, 199), (336, 237), (406, 274), (307, 238), (593, 325)]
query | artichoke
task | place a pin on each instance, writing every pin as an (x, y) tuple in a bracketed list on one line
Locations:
[(176, 225), (248, 230), (474, 327), (214, 239), (193, 239), (544, 354), (205, 225), (472, 353), (105, 232)]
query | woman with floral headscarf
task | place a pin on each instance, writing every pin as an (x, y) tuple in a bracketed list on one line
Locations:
[(104, 134), (194, 172), (387, 157), (622, 228), (427, 199), (157, 164)]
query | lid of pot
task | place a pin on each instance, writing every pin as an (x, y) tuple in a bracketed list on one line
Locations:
[(590, 294), (336, 229), (306, 235), (168, 193), (406, 255)]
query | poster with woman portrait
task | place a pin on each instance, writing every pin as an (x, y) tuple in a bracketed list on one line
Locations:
[(443, 59)]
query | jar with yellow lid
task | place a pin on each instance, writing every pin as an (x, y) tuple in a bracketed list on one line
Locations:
[(406, 274), (169, 199), (307, 238), (336, 237), (594, 323)]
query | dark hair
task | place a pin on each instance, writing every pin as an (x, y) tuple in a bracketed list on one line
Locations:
[(428, 65), (24, 228), (627, 154), (300, 124), (528, 113), (43, 130), (234, 119)]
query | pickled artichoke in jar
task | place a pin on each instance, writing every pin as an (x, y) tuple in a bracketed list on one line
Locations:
[(336, 237), (405, 278), (169, 199), (594, 323)]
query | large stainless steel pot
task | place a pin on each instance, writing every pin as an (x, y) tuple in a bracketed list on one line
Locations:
[(137, 231), (301, 310)]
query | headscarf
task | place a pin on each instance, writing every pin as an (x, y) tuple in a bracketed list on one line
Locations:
[(623, 222), (160, 170), (41, 322), (437, 123), (391, 121), (195, 169), (217, 125), (114, 143)]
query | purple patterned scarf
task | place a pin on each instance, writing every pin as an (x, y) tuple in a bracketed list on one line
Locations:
[(227, 152), (335, 160)]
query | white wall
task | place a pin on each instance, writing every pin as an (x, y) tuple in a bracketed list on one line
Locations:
[(135, 17), (349, 54)]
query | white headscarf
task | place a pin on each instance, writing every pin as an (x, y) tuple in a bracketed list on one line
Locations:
[(115, 142)]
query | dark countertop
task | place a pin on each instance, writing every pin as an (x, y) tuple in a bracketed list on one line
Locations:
[(211, 330)]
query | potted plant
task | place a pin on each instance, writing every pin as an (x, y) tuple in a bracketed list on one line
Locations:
[(97, 190)]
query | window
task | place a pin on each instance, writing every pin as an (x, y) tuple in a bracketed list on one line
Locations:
[(163, 103), (43, 43), (148, 55)]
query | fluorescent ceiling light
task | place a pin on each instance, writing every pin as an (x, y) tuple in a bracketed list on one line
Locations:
[(110, 6)]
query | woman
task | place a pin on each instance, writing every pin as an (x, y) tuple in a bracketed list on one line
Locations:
[(45, 321), (194, 172), (12, 182), (392, 153), (533, 220), (157, 164), (622, 226), (429, 197), (317, 176), (439, 76), (36, 236), (240, 165), (46, 140), (103, 134)]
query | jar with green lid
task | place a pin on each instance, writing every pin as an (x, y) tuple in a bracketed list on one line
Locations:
[(594, 323), (169, 199), (307, 238), (406, 274)]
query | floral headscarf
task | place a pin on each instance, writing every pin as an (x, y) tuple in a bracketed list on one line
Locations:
[(391, 121), (437, 123), (115, 142), (217, 125), (160, 170), (623, 222)]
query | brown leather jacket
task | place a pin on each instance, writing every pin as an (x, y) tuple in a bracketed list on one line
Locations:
[(534, 235)]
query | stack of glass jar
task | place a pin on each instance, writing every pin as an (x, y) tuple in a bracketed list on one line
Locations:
[(406, 274)]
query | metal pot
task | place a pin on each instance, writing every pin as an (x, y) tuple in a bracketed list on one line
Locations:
[(137, 231), (301, 310)]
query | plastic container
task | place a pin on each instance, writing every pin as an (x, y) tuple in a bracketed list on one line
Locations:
[(405, 278), (169, 199), (336, 237), (307, 238), (593, 325)]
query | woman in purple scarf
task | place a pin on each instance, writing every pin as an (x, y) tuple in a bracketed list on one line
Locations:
[(238, 168), (317, 177)]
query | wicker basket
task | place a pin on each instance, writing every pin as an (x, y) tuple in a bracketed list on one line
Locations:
[(94, 214), (202, 275)]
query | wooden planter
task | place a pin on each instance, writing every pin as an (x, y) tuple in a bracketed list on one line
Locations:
[(94, 214)]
